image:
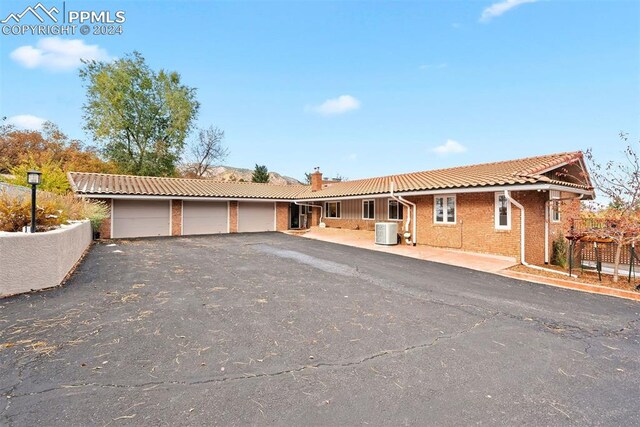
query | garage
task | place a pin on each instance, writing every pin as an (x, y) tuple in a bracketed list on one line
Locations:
[(256, 216), (204, 217), (141, 218)]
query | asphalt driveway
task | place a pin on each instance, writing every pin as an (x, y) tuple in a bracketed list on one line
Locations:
[(276, 329)]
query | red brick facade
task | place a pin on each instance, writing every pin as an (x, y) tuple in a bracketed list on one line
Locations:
[(233, 216), (282, 216), (176, 217), (474, 229)]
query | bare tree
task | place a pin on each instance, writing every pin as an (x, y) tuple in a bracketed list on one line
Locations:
[(206, 151), (620, 183)]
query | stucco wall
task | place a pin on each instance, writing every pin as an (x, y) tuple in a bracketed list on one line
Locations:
[(40, 260)]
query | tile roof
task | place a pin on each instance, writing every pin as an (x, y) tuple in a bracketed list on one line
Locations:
[(512, 172), (105, 184)]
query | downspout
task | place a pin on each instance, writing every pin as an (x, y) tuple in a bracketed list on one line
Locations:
[(547, 204), (523, 261), (313, 206), (412, 210)]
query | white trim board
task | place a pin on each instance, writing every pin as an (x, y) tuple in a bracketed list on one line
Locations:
[(532, 187)]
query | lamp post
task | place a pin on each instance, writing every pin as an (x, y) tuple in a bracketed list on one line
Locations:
[(33, 178)]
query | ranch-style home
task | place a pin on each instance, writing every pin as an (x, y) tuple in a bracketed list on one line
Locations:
[(511, 208)]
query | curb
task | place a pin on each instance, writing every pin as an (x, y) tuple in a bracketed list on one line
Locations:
[(566, 284)]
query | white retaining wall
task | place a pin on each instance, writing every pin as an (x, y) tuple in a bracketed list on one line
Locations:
[(40, 260)]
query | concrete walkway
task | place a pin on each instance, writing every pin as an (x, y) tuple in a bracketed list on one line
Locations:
[(365, 239)]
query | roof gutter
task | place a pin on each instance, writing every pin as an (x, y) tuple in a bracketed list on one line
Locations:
[(176, 197), (410, 238), (493, 189), (523, 261), (313, 206)]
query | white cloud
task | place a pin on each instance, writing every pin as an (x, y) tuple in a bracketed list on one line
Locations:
[(351, 157), (26, 121), (339, 105), (450, 147), (56, 54), (498, 9)]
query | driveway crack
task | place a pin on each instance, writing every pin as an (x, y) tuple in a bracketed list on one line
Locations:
[(319, 365)]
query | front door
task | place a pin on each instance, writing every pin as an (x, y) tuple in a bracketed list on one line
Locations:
[(294, 216)]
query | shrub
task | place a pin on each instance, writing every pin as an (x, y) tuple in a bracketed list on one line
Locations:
[(559, 251), (96, 212), (52, 210)]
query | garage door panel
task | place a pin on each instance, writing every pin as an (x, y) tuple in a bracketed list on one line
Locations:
[(140, 218), (256, 216), (204, 217)]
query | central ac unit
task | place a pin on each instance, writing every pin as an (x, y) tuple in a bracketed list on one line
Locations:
[(386, 233)]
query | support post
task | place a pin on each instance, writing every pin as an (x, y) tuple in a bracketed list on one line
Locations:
[(33, 208)]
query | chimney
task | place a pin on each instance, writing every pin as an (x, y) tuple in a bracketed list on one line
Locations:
[(316, 179)]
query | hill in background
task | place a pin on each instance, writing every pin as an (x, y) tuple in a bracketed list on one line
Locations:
[(231, 174)]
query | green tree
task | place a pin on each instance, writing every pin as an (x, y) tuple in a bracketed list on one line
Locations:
[(307, 178), (140, 117), (260, 174)]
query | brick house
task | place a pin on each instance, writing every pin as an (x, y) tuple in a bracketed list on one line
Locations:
[(505, 208)]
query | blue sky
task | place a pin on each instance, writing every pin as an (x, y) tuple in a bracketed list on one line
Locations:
[(363, 88)]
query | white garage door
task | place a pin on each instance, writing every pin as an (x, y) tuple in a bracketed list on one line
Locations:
[(256, 216), (204, 217), (140, 218)]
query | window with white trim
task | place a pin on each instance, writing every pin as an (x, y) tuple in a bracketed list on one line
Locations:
[(554, 206), (394, 210), (368, 209), (332, 210), (444, 209), (502, 212)]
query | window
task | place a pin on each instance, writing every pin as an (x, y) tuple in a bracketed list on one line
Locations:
[(444, 210), (555, 206), (332, 210), (368, 209), (395, 210), (503, 212)]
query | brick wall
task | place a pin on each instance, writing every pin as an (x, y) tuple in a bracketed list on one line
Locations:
[(534, 206), (475, 230), (233, 216), (282, 216), (176, 217)]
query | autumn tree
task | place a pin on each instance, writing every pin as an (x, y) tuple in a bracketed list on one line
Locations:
[(204, 152), (51, 152), (260, 174), (619, 182), (139, 117)]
